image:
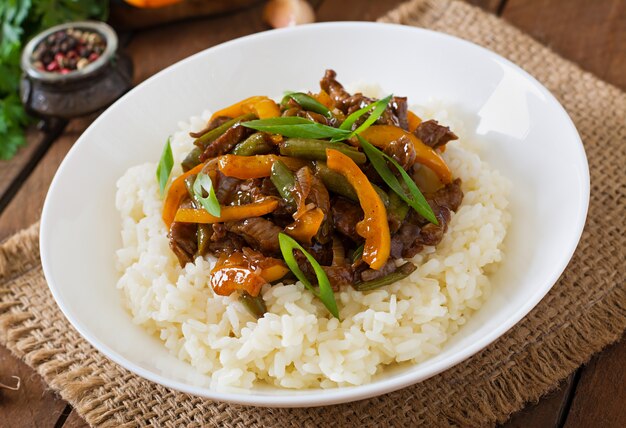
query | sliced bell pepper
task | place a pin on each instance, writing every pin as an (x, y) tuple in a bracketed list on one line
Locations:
[(381, 135), (266, 109), (239, 108), (227, 213), (374, 226), (175, 195), (258, 166), (323, 98), (414, 121), (261, 105), (152, 3), (237, 272), (306, 226)]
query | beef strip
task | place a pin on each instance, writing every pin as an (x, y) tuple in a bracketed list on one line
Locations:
[(183, 241), (226, 188), (335, 89), (339, 276), (218, 121), (401, 110), (248, 191), (261, 234), (345, 217), (228, 244), (403, 151), (371, 274), (449, 196), (434, 135), (225, 142)]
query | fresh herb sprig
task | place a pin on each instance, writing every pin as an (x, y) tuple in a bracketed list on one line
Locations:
[(210, 203), (19, 21), (416, 199), (165, 166), (307, 102), (325, 292)]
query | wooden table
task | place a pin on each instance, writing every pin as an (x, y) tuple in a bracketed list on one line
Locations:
[(593, 34)]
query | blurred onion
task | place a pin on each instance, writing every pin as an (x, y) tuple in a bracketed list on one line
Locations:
[(287, 13)]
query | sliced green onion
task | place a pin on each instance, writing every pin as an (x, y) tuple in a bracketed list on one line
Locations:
[(378, 106), (325, 293), (297, 127), (378, 111), (210, 203), (308, 103), (417, 200), (165, 166)]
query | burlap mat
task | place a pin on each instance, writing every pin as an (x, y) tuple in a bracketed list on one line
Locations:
[(585, 311)]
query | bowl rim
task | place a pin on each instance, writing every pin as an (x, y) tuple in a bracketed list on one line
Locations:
[(323, 397)]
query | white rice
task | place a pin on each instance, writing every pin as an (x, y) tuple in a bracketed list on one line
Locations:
[(298, 344)]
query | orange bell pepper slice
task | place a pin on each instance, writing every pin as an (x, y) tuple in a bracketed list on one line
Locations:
[(306, 226), (382, 135), (414, 121), (236, 272), (260, 105), (227, 213), (266, 109), (324, 99), (374, 226), (175, 195), (240, 108), (258, 166), (152, 3)]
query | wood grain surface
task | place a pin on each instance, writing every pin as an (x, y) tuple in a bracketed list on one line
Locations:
[(593, 34)]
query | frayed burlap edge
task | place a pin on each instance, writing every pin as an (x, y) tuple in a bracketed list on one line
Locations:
[(585, 311)]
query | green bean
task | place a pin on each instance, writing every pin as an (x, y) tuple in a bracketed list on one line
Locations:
[(255, 304), (192, 159), (214, 133), (397, 210), (307, 103), (337, 183), (255, 144), (284, 181), (307, 148), (204, 237), (400, 273)]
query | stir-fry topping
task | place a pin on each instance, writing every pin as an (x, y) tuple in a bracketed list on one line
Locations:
[(329, 188)]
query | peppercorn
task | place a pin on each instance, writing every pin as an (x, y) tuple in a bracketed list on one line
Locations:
[(68, 50)]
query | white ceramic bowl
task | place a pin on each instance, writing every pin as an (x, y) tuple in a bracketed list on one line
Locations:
[(528, 136)]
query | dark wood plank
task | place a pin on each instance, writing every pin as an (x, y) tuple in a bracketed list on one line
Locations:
[(10, 170), (600, 398), (74, 420), (547, 412), (592, 34), (154, 49), (354, 10), (25, 207), (33, 405)]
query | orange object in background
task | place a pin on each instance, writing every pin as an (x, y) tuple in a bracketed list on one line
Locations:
[(152, 4)]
